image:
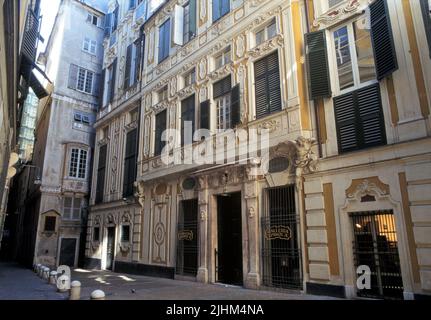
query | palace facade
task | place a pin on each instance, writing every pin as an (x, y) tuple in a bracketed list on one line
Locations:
[(334, 93)]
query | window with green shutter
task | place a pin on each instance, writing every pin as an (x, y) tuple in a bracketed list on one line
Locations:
[(161, 122), (164, 40), (359, 119), (130, 162), (100, 184), (187, 115), (267, 85)]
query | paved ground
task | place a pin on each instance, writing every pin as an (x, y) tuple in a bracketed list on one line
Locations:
[(19, 283)]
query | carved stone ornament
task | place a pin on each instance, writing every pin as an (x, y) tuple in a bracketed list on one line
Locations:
[(367, 186), (337, 14), (140, 192), (307, 160)]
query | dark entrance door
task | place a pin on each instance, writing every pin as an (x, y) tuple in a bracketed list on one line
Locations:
[(110, 249), (229, 252), (187, 237), (376, 246), (67, 252), (281, 252)]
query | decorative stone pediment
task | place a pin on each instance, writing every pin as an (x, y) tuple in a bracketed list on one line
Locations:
[(371, 186), (339, 13), (269, 45)]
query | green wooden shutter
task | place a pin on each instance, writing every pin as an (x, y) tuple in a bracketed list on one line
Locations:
[(187, 114), (235, 100), (100, 186), (319, 82), (108, 24), (113, 79), (267, 85), (160, 127), (371, 117), (193, 17), (101, 88), (425, 6), (130, 163), (359, 119), (382, 39), (205, 115), (222, 87), (345, 118), (128, 67)]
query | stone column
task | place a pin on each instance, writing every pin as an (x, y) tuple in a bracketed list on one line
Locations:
[(252, 280), (203, 209)]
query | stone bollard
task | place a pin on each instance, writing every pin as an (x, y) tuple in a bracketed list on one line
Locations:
[(36, 268), (53, 278), (98, 295), (45, 275), (75, 290), (40, 272)]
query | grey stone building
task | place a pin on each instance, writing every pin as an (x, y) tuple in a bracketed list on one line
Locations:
[(64, 132)]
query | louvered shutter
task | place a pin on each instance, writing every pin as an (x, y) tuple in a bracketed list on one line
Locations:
[(216, 9), (130, 163), (205, 116), (138, 60), (222, 87), (235, 100), (101, 89), (371, 116), (267, 85), (113, 79), (193, 17), (96, 84), (132, 4), (187, 114), (382, 39), (425, 6), (274, 90), (359, 119), (345, 118), (319, 82), (108, 23), (128, 66), (73, 76), (100, 186), (115, 18), (160, 127)]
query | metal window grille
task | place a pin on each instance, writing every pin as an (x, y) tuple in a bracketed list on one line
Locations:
[(187, 238), (281, 254), (375, 245)]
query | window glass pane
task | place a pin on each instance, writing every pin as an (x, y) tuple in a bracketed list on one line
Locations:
[(218, 61), (223, 112), (260, 37), (74, 163), (89, 82), (227, 57), (344, 61), (82, 164), (81, 79), (364, 50), (272, 30)]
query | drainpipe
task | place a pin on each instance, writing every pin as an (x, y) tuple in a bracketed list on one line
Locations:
[(316, 117)]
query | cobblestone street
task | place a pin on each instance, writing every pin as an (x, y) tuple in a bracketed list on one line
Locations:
[(22, 284)]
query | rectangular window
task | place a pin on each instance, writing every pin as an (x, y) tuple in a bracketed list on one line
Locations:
[(93, 19), (220, 9), (189, 78), (161, 122), (189, 22), (267, 85), (268, 32), (96, 234), (72, 208), (222, 99), (130, 163), (163, 94), (50, 223), (359, 119), (125, 233), (81, 118), (164, 40), (354, 54), (100, 187), (223, 58), (187, 115), (85, 81), (89, 46), (78, 164), (333, 3)]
